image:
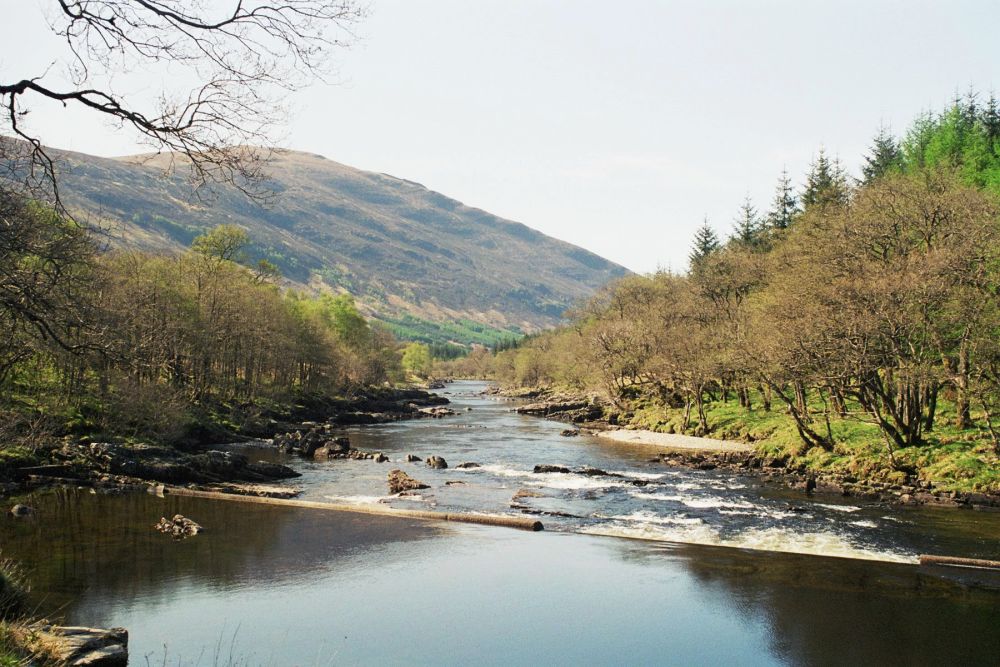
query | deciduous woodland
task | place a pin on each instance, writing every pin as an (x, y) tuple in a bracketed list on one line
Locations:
[(157, 347), (854, 326)]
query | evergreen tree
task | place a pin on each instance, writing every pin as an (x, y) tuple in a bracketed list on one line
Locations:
[(706, 242), (785, 205), (883, 156), (991, 121), (826, 183), (747, 227)]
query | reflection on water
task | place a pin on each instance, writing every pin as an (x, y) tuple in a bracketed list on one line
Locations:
[(642, 500), (281, 586)]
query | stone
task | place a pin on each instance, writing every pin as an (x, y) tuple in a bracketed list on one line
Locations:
[(412, 458), (21, 510), (549, 468), (179, 527), (569, 433), (380, 458), (468, 464), (399, 481), (437, 462), (81, 647)]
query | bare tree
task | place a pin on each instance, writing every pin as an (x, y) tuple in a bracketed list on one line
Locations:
[(238, 56)]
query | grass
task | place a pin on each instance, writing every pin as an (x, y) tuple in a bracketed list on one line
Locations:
[(953, 459)]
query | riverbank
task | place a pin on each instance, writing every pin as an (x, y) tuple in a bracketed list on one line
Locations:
[(672, 441), (310, 428), (266, 584), (763, 453)]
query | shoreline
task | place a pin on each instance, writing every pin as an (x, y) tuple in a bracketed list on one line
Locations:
[(587, 414), (672, 441)]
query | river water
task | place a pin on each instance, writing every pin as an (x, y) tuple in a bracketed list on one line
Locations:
[(282, 586)]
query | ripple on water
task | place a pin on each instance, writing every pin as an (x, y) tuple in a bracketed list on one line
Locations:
[(819, 543)]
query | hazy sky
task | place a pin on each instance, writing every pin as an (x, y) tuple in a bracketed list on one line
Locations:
[(614, 125)]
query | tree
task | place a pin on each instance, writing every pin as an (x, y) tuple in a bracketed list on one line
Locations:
[(417, 359), (747, 227), (785, 206), (45, 281), (241, 57), (226, 243), (706, 242), (883, 156), (826, 183)]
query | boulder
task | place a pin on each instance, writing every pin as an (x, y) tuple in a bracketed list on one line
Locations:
[(380, 458), (569, 433), (21, 510), (412, 458), (80, 647), (437, 462), (399, 481), (468, 464), (179, 527), (550, 468), (341, 444)]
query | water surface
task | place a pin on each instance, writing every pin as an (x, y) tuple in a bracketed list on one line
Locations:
[(287, 586)]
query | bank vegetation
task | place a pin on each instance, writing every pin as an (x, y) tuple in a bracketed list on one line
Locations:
[(854, 326)]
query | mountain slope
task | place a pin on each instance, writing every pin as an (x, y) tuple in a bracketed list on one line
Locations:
[(402, 250)]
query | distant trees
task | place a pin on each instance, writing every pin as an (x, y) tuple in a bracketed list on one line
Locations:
[(145, 336), (785, 205), (706, 242), (876, 303), (748, 229), (417, 359), (883, 157), (826, 183)]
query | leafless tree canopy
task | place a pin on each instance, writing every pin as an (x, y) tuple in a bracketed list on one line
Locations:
[(239, 56)]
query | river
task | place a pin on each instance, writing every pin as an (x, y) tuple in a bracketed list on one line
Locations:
[(814, 581)]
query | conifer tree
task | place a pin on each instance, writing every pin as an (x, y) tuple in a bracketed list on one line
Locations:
[(747, 227), (706, 242), (826, 183), (785, 205), (991, 121), (883, 156)]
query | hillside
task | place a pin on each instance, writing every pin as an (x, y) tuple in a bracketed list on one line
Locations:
[(411, 256)]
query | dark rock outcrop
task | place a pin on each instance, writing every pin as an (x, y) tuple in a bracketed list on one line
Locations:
[(412, 458), (437, 462), (469, 464), (550, 468), (399, 481)]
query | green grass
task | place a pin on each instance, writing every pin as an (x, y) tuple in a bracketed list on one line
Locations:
[(953, 459)]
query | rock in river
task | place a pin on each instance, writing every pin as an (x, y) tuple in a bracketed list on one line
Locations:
[(437, 462), (413, 458), (180, 526), (399, 481), (549, 468), (468, 464)]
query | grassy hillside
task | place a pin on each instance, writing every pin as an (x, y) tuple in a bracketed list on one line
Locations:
[(408, 254)]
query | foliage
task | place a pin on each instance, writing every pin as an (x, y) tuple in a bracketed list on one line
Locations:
[(417, 359), (154, 337), (863, 334)]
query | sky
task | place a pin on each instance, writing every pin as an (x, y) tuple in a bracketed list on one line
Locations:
[(615, 126)]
